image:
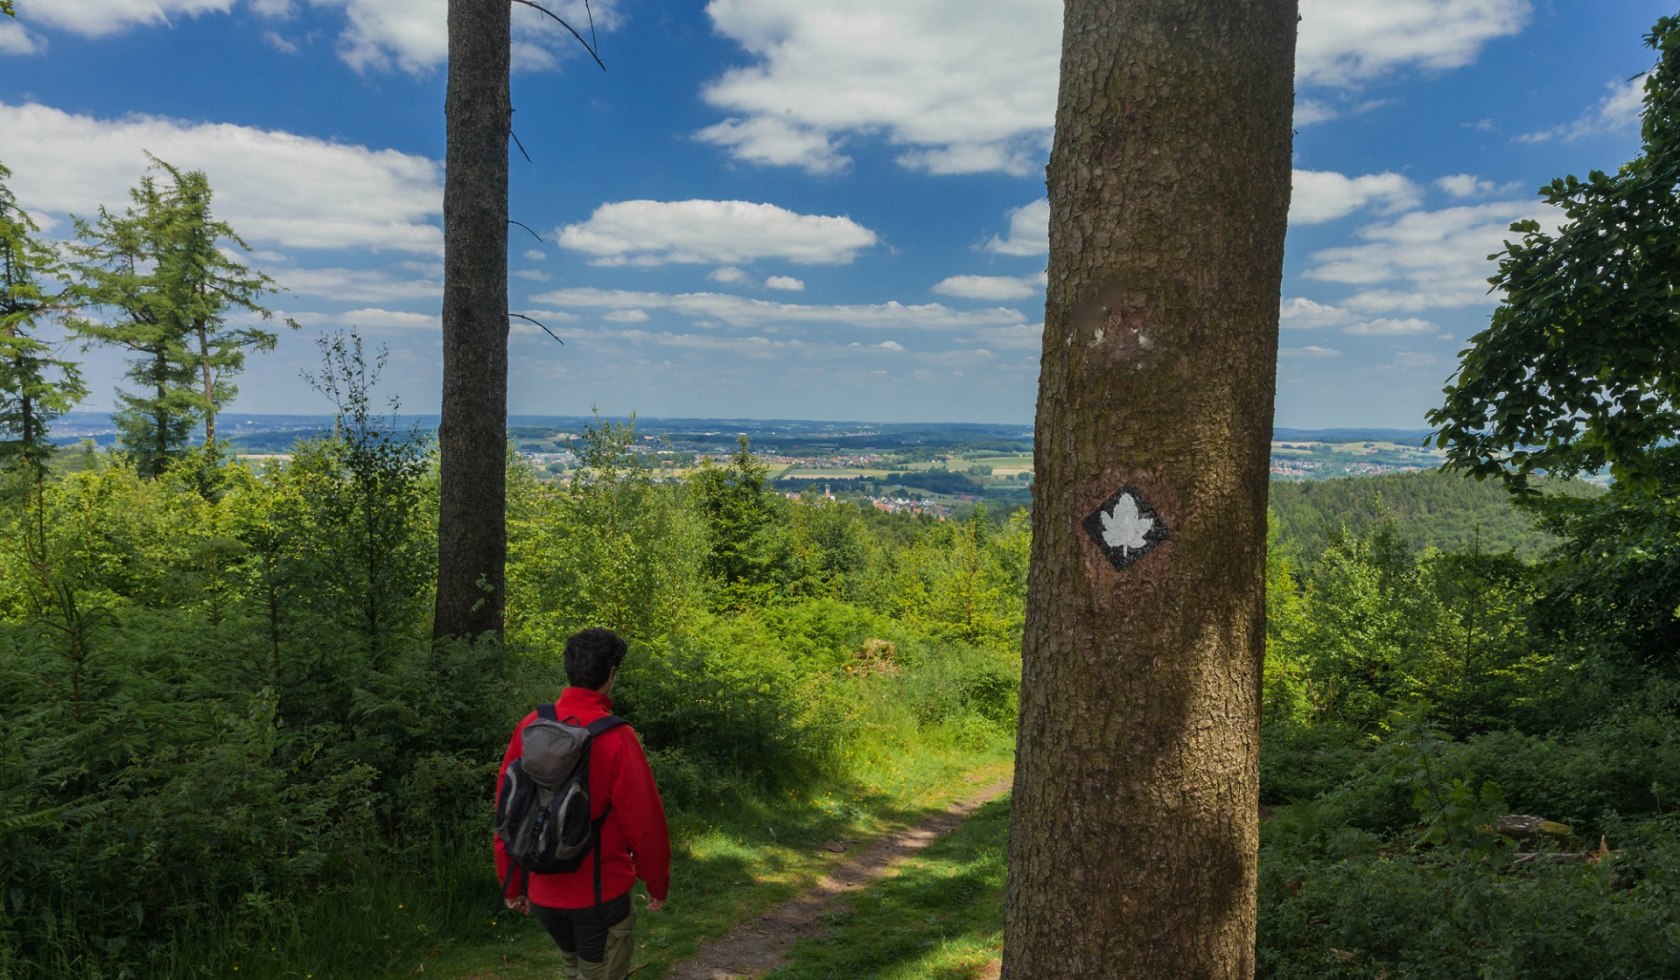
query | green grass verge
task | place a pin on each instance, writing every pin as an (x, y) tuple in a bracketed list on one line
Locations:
[(734, 863), (940, 916)]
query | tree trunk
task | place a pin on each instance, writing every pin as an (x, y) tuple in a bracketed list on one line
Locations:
[(209, 382), (1134, 831), (472, 435)]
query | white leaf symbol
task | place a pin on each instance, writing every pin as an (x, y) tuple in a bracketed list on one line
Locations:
[(1124, 528)]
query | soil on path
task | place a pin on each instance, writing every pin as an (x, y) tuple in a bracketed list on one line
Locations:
[(757, 947)]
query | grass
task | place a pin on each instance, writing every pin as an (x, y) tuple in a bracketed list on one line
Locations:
[(940, 916), (738, 861)]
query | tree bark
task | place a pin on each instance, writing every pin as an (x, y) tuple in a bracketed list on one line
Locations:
[(472, 435), (1134, 831)]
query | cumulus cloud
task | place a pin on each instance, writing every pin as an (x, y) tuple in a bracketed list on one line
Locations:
[(1311, 350), (102, 18), (375, 318), (535, 254), (1322, 195), (1469, 185), (1424, 259), (1300, 313), (787, 283), (271, 186), (1020, 336), (1029, 231), (356, 285), (890, 345), (649, 233), (413, 35), (967, 86), (1345, 43), (1392, 328), (739, 311), (777, 142), (1616, 112), (14, 40), (626, 316), (728, 275), (990, 287), (962, 86)]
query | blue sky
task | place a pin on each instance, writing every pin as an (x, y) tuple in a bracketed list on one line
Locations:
[(777, 209)]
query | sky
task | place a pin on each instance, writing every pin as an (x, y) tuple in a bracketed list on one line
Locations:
[(798, 210)]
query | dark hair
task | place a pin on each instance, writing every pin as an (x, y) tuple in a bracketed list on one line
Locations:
[(591, 655)]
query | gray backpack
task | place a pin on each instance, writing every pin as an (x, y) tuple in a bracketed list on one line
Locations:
[(542, 810)]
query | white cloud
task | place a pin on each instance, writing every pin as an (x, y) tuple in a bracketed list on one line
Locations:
[(787, 283), (270, 186), (375, 318), (738, 311), (961, 86), (14, 40), (1029, 231), (1407, 358), (1392, 328), (993, 288), (1311, 350), (356, 285), (1321, 195), (535, 254), (1300, 313), (1347, 42), (1424, 259), (413, 35), (532, 275), (102, 18), (1020, 336), (966, 86), (1469, 185), (279, 43), (1310, 112), (626, 316), (1615, 112), (651, 233), (777, 142), (890, 345), (728, 275)]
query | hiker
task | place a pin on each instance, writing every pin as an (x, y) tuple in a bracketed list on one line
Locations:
[(588, 911)]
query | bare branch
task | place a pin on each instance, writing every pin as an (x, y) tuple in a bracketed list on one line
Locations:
[(516, 142), (555, 17), (527, 228), (544, 326)]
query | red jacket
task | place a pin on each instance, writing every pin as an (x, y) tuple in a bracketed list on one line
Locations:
[(635, 841)]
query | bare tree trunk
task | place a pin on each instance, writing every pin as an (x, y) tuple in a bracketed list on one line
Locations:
[(472, 436), (1134, 831), (209, 381)]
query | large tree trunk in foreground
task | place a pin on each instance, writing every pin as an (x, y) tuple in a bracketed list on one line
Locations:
[(1134, 832), (472, 436)]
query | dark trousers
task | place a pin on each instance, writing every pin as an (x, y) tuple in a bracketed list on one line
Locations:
[(590, 937)]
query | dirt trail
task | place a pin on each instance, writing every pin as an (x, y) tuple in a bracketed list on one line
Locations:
[(757, 947)]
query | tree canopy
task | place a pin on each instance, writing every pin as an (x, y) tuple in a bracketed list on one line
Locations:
[(35, 387), (1579, 368), (161, 266)]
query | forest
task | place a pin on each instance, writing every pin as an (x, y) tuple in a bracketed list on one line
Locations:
[(226, 724)]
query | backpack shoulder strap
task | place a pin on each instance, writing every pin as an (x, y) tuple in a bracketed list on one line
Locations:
[(606, 724), (546, 711)]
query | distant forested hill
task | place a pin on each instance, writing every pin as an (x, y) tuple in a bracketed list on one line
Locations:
[(1429, 509)]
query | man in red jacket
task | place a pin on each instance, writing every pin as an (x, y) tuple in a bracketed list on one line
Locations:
[(595, 939)]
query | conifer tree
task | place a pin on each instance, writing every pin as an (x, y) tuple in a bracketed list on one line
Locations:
[(35, 387), (161, 267)]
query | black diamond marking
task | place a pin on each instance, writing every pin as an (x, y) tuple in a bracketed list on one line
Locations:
[(1123, 554)]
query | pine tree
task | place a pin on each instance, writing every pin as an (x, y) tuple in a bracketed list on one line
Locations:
[(35, 387), (161, 267)]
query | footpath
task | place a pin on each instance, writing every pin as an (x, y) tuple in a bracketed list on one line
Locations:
[(759, 946)]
